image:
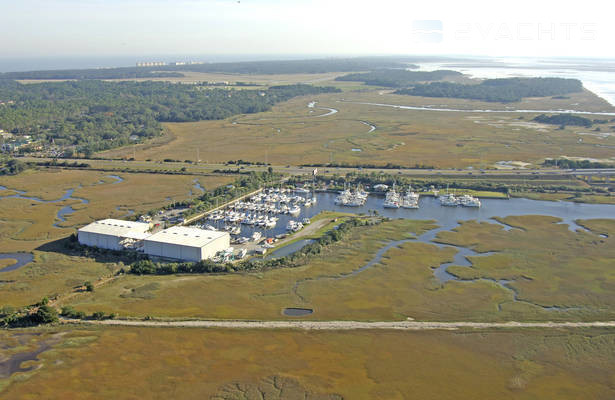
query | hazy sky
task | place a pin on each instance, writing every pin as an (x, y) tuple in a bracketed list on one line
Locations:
[(145, 27)]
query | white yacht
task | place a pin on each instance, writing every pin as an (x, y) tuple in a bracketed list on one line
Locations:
[(449, 200), (410, 199), (469, 201), (391, 199)]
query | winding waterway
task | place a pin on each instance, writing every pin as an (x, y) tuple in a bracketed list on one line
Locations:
[(448, 218), (21, 258), (331, 111), (419, 108)]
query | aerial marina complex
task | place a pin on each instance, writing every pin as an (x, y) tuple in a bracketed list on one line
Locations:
[(372, 227), (250, 224)]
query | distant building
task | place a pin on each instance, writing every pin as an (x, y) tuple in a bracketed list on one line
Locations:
[(112, 233), (151, 64), (186, 243)]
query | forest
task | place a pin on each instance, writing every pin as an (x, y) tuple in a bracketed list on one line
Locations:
[(497, 90), (563, 120), (250, 67), (397, 78), (565, 163), (96, 115)]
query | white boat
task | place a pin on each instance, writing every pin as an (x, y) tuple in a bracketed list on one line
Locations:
[(242, 253), (391, 199), (343, 197), (302, 190), (449, 200), (306, 221), (351, 199), (390, 204), (410, 199), (469, 201), (294, 210), (256, 236)]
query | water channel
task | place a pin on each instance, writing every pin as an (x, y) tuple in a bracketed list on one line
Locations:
[(447, 218)]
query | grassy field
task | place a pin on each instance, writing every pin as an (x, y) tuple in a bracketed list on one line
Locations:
[(259, 295), (123, 363), (293, 134), (576, 274), (191, 77), (27, 225), (569, 269)]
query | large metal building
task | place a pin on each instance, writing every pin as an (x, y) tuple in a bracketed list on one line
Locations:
[(111, 233), (186, 243)]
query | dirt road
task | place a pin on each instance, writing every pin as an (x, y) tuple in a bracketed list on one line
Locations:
[(348, 325)]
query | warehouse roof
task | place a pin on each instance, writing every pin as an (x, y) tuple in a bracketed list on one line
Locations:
[(186, 236), (116, 227)]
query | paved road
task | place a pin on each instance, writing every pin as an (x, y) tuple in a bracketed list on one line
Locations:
[(297, 170), (348, 325)]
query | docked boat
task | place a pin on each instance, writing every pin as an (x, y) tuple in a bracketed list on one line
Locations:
[(351, 199), (469, 201), (410, 199), (449, 200), (256, 236), (294, 211), (294, 226), (343, 197), (391, 199)]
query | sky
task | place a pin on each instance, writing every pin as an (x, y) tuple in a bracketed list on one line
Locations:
[(143, 28)]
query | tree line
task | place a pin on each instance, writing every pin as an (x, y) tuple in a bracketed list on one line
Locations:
[(245, 67), (92, 116), (575, 164), (397, 78), (497, 90)]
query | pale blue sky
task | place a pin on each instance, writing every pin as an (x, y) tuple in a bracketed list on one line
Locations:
[(140, 27)]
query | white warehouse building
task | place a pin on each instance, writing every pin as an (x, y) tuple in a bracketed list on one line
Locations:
[(187, 244), (111, 233)]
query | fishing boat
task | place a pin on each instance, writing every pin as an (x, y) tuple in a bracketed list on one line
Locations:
[(391, 199), (448, 199), (410, 199), (469, 201)]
